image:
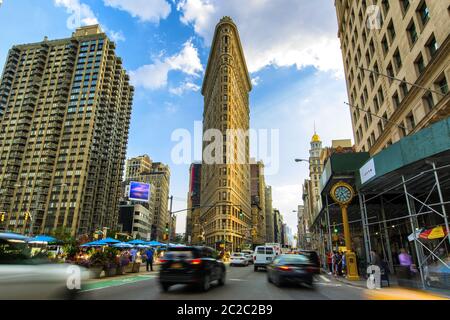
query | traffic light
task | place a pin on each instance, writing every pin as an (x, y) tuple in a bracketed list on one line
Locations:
[(27, 215), (336, 230), (165, 236), (2, 216), (241, 214)]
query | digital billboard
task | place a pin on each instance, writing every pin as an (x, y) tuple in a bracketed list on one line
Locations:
[(139, 191)]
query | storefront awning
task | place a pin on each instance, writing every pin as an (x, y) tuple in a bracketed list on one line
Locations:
[(410, 156)]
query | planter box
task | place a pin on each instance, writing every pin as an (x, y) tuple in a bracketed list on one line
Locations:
[(111, 272), (136, 267), (95, 272), (120, 270), (129, 268)]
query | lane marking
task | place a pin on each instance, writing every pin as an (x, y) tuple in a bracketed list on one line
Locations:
[(115, 283), (237, 280), (324, 278)]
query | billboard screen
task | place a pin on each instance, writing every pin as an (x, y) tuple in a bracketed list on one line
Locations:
[(139, 191)]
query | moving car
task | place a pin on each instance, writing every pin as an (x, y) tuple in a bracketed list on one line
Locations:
[(238, 258), (263, 256), (314, 257), (248, 255), (291, 268), (194, 265), (27, 277)]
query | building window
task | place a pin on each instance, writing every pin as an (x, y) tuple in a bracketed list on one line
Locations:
[(429, 101), (412, 32), (442, 85), (432, 46), (410, 122), (405, 5), (396, 100), (397, 60), (424, 13), (391, 30), (420, 64)]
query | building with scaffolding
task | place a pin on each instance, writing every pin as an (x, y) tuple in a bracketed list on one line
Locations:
[(401, 205)]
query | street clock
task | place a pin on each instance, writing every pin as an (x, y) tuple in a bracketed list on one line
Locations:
[(342, 193)]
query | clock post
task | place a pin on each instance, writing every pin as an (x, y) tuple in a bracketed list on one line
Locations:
[(342, 193)]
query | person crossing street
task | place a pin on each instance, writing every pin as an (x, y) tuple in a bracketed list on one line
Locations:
[(149, 254)]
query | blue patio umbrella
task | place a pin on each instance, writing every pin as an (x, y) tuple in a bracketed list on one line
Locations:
[(94, 244), (137, 241), (109, 241), (122, 245), (155, 244), (43, 238), (13, 236)]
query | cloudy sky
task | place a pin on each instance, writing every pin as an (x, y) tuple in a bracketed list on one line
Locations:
[(292, 52)]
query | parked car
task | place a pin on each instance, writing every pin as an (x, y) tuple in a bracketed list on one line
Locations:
[(314, 257), (238, 259), (291, 268), (194, 265), (263, 256), (27, 277)]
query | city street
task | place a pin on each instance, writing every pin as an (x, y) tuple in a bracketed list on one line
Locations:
[(242, 284)]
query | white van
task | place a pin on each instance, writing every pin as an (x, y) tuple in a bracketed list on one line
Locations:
[(263, 256)]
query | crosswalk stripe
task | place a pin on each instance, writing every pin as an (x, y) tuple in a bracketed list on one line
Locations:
[(325, 278)]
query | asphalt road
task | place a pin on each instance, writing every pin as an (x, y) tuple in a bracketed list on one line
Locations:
[(242, 283)]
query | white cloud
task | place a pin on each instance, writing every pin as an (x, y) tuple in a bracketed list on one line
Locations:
[(256, 81), (145, 10), (116, 36), (286, 198), (155, 76), (185, 86), (80, 13), (298, 33)]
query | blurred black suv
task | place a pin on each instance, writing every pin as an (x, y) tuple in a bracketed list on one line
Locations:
[(195, 265)]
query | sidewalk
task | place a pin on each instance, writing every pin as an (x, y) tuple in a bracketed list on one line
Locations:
[(393, 284)]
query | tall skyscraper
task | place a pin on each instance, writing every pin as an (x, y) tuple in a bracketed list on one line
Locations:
[(269, 215), (193, 223), (66, 107), (258, 196), (406, 40), (226, 182)]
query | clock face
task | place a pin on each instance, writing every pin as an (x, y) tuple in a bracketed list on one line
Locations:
[(343, 194)]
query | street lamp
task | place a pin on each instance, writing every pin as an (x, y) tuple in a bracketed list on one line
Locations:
[(302, 160)]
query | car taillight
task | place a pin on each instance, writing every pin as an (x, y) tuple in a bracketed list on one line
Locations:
[(196, 261), (254, 258), (163, 260), (284, 268), (311, 269)]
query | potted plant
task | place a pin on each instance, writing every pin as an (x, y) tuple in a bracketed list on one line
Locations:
[(112, 262), (124, 261), (97, 262)]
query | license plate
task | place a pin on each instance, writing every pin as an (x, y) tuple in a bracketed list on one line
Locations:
[(268, 258), (177, 266)]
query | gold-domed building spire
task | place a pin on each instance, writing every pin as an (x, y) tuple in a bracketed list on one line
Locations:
[(315, 137)]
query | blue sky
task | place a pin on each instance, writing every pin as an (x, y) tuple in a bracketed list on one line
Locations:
[(291, 49)]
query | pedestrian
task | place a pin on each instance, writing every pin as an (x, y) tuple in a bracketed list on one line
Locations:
[(133, 253), (406, 260), (149, 255), (335, 262), (340, 263), (344, 263), (330, 262)]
